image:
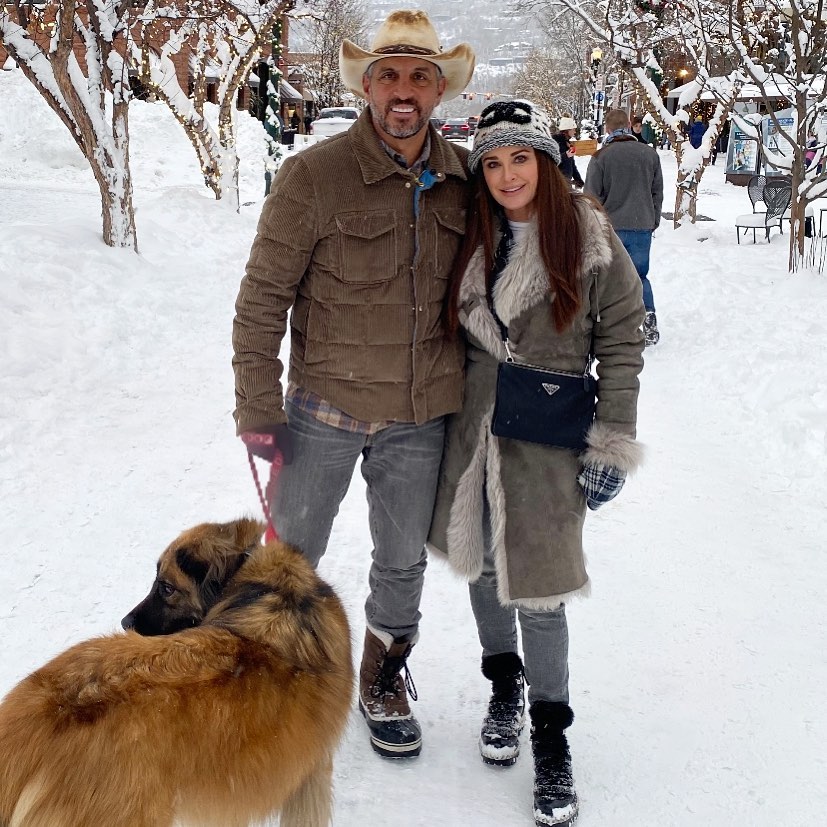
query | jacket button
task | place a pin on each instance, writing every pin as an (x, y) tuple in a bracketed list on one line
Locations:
[(408, 185)]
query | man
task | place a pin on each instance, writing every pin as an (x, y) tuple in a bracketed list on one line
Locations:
[(625, 176), (358, 236), (566, 130)]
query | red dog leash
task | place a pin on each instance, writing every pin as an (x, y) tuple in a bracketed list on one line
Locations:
[(275, 470)]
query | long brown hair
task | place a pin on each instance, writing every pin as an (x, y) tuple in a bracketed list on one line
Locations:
[(559, 233)]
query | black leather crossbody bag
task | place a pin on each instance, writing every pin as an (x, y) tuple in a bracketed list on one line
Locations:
[(549, 407), (538, 404)]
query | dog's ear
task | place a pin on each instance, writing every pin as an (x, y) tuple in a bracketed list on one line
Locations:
[(246, 532), (219, 574), (191, 566)]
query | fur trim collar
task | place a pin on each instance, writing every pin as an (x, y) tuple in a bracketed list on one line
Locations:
[(524, 283)]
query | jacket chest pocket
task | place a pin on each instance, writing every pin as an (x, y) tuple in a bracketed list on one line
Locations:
[(450, 229), (367, 247)]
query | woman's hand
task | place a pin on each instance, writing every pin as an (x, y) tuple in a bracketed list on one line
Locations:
[(600, 483)]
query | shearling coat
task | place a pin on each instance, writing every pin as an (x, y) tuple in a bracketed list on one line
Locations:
[(536, 506)]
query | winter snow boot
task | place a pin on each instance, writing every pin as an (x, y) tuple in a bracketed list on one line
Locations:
[(555, 801), (650, 328), (500, 735), (383, 696)]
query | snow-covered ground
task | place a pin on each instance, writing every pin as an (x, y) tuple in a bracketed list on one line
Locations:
[(698, 666)]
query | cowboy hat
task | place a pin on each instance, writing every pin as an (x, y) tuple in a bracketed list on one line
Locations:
[(407, 34)]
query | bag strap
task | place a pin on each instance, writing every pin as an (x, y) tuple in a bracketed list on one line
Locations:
[(500, 260)]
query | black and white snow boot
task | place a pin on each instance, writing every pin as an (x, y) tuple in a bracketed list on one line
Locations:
[(555, 801), (651, 335), (500, 734)]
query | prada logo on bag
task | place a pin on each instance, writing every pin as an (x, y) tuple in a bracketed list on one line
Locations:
[(549, 388)]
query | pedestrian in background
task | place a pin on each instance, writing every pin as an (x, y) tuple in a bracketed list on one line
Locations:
[(637, 129), (372, 374), (626, 178), (697, 131), (566, 131), (540, 273)]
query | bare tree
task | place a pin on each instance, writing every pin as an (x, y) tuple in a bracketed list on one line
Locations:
[(224, 38), (90, 95), (322, 26), (632, 31), (782, 48), (554, 73)]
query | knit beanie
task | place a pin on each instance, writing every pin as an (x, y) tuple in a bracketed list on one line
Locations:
[(513, 123)]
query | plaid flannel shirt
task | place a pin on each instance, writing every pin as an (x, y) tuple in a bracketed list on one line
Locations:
[(323, 411)]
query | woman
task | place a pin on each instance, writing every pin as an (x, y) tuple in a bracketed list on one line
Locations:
[(566, 130), (542, 260)]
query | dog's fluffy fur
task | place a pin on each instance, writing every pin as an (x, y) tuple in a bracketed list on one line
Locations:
[(230, 719)]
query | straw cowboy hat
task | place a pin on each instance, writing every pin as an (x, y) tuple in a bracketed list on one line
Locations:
[(407, 34)]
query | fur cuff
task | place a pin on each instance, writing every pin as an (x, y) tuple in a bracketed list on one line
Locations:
[(550, 715), (608, 446), (502, 666)]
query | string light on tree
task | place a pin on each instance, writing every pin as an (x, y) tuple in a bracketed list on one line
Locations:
[(270, 87)]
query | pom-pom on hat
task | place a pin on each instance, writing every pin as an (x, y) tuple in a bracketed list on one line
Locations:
[(513, 123)]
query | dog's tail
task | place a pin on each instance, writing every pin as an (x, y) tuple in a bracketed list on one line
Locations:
[(29, 803), (15, 762), (311, 804)]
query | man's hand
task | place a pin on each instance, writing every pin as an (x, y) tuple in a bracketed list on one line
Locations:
[(266, 442)]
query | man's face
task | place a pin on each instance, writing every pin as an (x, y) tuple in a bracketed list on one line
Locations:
[(402, 92)]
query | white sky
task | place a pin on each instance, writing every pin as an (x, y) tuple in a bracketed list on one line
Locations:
[(698, 666)]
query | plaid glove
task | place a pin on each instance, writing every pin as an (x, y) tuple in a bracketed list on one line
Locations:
[(600, 483)]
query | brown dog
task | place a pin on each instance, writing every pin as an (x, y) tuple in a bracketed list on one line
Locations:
[(229, 720)]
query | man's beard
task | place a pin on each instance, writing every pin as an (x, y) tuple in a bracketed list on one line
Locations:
[(381, 119)]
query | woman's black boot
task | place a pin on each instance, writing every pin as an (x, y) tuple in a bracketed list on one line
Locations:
[(500, 734), (555, 801)]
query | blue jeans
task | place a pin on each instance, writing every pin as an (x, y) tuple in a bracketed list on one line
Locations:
[(545, 634), (638, 243), (400, 465)]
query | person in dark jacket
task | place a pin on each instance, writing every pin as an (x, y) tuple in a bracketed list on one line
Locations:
[(637, 129), (626, 178), (566, 130), (696, 131)]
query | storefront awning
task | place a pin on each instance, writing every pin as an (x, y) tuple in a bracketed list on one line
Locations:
[(289, 92)]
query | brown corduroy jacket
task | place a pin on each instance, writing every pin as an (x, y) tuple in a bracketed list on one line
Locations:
[(340, 242)]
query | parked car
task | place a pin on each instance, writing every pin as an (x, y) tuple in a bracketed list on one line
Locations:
[(334, 119), (456, 129), (437, 122), (472, 123)]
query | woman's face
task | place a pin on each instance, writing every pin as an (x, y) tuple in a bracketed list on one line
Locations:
[(511, 177)]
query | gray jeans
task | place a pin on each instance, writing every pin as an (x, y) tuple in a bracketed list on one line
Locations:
[(400, 465), (545, 634)]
